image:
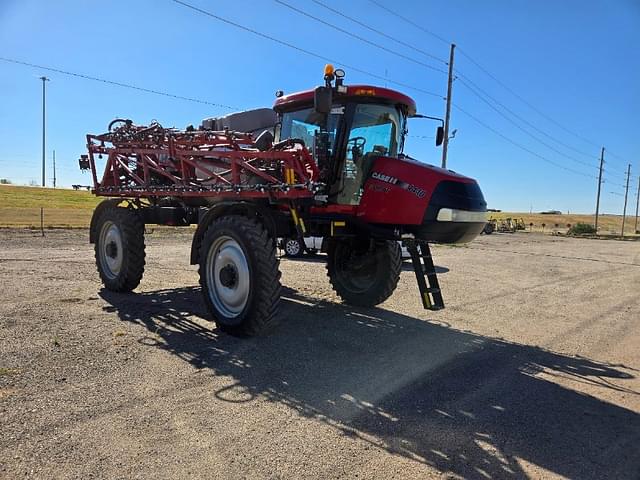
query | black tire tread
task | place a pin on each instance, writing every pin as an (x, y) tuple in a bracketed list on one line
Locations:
[(266, 289), (132, 229), (381, 291)]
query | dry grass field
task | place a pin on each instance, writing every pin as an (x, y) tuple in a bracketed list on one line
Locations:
[(607, 224), (63, 208)]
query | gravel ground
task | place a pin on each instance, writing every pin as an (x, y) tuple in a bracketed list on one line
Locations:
[(532, 371)]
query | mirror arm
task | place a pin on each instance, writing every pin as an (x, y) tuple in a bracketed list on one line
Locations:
[(418, 115)]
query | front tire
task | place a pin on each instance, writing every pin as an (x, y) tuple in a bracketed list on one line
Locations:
[(239, 276), (119, 248), (362, 272)]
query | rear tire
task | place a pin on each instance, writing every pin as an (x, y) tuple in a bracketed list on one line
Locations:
[(239, 275), (364, 273), (119, 248)]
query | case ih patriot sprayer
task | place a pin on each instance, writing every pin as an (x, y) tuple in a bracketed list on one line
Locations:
[(333, 168)]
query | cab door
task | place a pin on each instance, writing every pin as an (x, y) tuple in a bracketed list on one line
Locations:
[(374, 131)]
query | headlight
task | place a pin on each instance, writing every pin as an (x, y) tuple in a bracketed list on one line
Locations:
[(453, 215)]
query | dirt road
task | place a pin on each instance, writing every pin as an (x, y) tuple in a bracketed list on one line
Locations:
[(533, 370)]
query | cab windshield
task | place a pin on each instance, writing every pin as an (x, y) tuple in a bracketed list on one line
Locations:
[(379, 128), (375, 130), (369, 130)]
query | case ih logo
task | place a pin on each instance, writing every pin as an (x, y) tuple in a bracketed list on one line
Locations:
[(417, 191), (384, 178)]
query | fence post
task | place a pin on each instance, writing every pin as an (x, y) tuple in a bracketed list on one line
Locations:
[(42, 220)]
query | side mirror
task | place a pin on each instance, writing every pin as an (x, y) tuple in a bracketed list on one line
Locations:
[(323, 100), (439, 136)]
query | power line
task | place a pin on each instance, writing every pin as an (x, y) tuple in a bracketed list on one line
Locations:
[(519, 97), (302, 50), (358, 37), (622, 159), (608, 181), (113, 82), (531, 106), (493, 77), (278, 41), (316, 55), (614, 174), (479, 91), (375, 30), (560, 142), (463, 80), (550, 147), (522, 147), (410, 22), (35, 163), (534, 108)]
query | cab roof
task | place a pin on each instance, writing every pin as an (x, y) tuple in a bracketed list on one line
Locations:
[(386, 95)]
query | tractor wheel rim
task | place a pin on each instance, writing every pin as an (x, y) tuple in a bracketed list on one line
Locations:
[(292, 247), (111, 252), (228, 277)]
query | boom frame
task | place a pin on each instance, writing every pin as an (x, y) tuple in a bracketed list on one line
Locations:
[(148, 162)]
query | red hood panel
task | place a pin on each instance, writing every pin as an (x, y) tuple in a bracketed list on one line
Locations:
[(398, 191)]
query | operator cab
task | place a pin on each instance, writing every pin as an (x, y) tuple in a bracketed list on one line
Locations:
[(356, 124), (356, 135)]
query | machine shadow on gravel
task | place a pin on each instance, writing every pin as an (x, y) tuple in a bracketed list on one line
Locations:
[(459, 402)]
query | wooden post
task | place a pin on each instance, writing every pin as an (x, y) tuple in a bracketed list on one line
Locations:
[(626, 193), (447, 117), (599, 185)]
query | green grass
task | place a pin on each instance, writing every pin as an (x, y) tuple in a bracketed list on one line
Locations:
[(63, 208), (36, 197)]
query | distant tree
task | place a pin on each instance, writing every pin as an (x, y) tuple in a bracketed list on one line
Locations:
[(5, 181)]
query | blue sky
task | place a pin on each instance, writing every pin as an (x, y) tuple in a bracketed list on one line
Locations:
[(577, 62)]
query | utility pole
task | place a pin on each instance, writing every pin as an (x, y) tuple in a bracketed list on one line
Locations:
[(599, 185), (44, 80), (626, 192), (447, 117), (54, 169), (635, 230)]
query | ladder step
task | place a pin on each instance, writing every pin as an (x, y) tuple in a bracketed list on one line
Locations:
[(426, 275)]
